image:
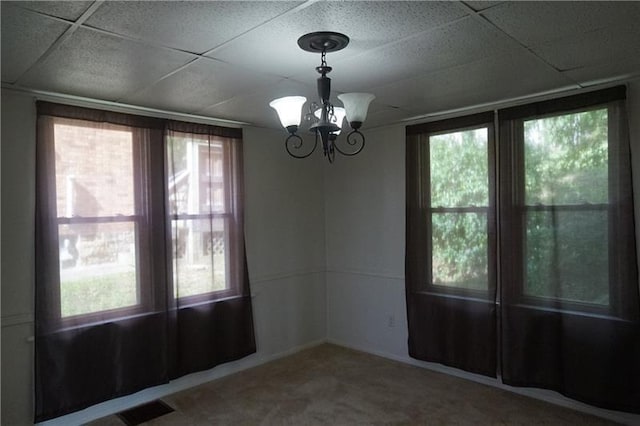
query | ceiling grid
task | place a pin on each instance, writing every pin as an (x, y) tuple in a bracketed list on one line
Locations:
[(228, 59)]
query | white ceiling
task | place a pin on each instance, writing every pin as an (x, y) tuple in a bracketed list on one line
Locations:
[(229, 59)]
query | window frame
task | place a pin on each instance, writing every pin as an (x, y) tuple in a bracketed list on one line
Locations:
[(232, 285), (152, 216), (519, 196), (145, 297), (454, 125), (512, 206)]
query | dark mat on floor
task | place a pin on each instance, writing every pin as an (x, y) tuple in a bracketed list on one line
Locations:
[(144, 413)]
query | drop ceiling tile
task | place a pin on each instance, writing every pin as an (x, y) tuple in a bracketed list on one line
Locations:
[(534, 23), (487, 80), (194, 26), (254, 107), (602, 46), (374, 22), (606, 72), (461, 42), (70, 10), (95, 65), (25, 37), (203, 83), (386, 116), (273, 47)]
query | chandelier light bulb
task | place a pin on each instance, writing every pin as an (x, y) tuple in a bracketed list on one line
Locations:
[(338, 113)]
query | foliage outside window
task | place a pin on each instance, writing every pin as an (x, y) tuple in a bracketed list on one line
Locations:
[(459, 188), (564, 197), (566, 211)]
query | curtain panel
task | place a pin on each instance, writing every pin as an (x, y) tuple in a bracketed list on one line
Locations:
[(449, 321), (129, 294), (566, 306), (570, 304)]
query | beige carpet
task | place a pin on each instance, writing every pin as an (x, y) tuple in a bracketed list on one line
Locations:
[(331, 385)]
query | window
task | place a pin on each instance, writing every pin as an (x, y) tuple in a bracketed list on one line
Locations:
[(100, 224), (566, 215), (200, 214), (103, 230), (453, 220), (459, 207), (560, 174), (110, 218)]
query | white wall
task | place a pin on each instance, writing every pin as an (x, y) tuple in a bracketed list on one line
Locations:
[(365, 208), (285, 251), (18, 201), (285, 243), (365, 226)]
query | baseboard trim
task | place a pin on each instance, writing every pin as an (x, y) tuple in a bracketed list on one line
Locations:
[(536, 393), (114, 406)]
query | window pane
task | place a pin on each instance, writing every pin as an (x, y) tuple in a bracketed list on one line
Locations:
[(196, 184), (97, 267), (459, 166), (566, 159), (566, 256), (198, 256), (459, 250), (94, 170)]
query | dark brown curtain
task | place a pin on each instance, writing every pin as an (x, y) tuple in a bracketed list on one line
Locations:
[(570, 305), (214, 316), (118, 308), (451, 315)]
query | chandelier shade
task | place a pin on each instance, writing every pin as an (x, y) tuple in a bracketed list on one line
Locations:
[(325, 120), (356, 105), (289, 109)]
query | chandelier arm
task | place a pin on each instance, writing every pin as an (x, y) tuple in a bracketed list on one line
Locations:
[(292, 139), (354, 138)]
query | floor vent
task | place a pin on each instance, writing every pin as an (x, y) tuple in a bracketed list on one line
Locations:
[(144, 413)]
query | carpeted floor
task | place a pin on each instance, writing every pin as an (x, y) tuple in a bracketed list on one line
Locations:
[(331, 385)]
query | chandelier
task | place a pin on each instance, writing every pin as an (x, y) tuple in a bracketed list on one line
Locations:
[(325, 119)]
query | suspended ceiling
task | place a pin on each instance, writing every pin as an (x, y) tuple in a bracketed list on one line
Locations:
[(229, 59)]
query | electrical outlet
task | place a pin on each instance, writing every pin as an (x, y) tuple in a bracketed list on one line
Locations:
[(391, 321)]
